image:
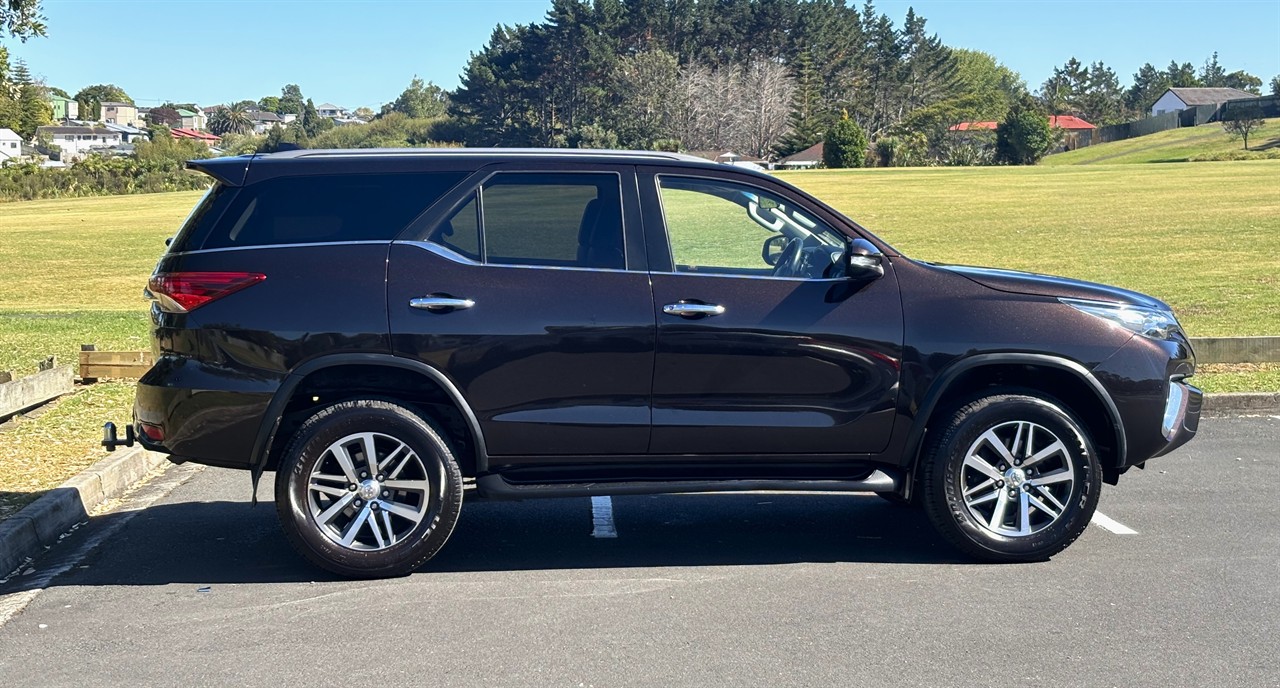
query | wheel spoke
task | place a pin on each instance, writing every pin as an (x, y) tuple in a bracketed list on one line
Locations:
[(993, 494), (995, 442), (1059, 476), (1035, 501), (344, 460), (376, 528), (400, 466), (386, 522), (408, 485), (997, 516), (979, 486), (1045, 453), (1017, 439), (1024, 513), (327, 515), (978, 464), (383, 463), (328, 489), (402, 511), (353, 528), (370, 453), (332, 478), (1049, 496)]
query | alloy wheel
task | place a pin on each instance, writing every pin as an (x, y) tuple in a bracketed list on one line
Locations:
[(1017, 479)]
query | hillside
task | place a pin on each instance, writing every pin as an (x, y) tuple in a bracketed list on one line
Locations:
[(1207, 141)]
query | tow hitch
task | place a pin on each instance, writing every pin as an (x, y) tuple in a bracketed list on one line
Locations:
[(110, 440)]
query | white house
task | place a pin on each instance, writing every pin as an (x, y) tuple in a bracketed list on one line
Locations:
[(10, 145), (77, 142), (330, 110), (1176, 99), (264, 121)]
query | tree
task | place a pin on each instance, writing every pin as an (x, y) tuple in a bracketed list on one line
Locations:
[(364, 113), (91, 99), (1244, 81), (1023, 137), (419, 101), (311, 121), (987, 87), (21, 19), (290, 102), (1181, 75), (1212, 74), (248, 104), (24, 102), (648, 99), (270, 104), (845, 144), (230, 119), (166, 116), (1148, 85), (809, 116), (1275, 85), (1240, 122)]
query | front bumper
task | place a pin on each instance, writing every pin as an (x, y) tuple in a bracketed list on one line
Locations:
[(1159, 409)]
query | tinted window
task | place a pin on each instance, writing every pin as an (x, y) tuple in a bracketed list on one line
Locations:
[(721, 227), (312, 209), (461, 232), (202, 218), (572, 220)]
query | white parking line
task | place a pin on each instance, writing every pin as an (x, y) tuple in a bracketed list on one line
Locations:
[(602, 518), (1107, 523)]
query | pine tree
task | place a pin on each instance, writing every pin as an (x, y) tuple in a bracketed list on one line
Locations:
[(808, 116), (845, 145)]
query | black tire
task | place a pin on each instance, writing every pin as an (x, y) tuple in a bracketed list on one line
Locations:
[(439, 504), (945, 478)]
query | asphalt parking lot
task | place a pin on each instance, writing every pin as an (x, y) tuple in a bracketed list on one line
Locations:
[(186, 584)]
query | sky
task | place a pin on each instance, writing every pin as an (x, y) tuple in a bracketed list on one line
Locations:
[(357, 53)]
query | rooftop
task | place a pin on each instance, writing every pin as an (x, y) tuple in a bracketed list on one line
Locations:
[(1209, 96)]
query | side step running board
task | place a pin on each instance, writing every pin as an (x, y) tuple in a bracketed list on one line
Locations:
[(496, 487)]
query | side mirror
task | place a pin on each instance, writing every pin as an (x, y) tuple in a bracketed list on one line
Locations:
[(863, 260), (772, 249)]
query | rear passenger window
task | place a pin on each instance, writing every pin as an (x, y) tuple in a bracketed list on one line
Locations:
[(328, 208), (554, 220)]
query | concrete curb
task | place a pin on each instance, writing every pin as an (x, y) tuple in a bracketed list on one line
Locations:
[(42, 522), (1241, 402)]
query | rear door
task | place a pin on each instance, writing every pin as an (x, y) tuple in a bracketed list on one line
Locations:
[(763, 347), (529, 289)]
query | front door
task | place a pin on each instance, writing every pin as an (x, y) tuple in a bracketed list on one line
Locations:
[(763, 347), (524, 292)]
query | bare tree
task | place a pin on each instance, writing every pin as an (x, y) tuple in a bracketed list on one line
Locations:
[(1243, 121), (743, 109)]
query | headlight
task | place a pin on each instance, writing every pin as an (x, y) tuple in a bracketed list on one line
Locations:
[(1156, 323)]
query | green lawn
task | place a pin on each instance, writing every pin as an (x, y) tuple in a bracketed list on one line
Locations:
[(1204, 237), (1176, 145)]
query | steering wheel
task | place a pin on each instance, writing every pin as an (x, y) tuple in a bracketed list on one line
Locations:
[(791, 261)]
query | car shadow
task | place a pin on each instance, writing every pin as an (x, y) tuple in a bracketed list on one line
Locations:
[(224, 542)]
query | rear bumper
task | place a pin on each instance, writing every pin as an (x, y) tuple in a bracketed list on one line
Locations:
[(205, 414)]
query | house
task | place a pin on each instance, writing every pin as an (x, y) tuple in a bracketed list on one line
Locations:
[(330, 110), (808, 158), (264, 121), (119, 113), (192, 119), (64, 108), (1176, 99), (128, 133), (76, 142), (185, 133), (10, 145)]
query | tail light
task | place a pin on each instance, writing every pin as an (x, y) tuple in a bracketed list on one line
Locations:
[(179, 292)]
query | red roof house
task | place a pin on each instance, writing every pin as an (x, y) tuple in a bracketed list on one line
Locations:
[(180, 133), (1067, 122)]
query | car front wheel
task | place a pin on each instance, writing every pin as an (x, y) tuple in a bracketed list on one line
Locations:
[(1011, 477), (368, 489)]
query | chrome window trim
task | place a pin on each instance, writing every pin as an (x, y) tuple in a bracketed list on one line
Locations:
[(753, 277), (447, 254)]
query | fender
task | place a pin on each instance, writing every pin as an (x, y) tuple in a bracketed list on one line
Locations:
[(915, 438), (275, 409)]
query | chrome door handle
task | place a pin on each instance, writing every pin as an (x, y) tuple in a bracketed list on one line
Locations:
[(693, 310), (438, 304)]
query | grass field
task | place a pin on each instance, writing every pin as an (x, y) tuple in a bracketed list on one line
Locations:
[(1176, 145)]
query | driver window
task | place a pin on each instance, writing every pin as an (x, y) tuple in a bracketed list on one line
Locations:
[(718, 227)]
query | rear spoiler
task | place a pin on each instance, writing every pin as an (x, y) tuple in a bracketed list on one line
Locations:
[(229, 171)]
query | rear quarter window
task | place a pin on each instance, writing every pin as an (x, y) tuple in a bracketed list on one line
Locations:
[(327, 208)]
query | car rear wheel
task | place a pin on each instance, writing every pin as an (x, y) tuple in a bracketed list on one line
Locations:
[(368, 489), (1011, 477)]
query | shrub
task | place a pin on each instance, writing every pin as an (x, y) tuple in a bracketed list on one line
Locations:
[(845, 144)]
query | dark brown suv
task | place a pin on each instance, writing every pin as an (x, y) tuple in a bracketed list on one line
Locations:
[(379, 327)]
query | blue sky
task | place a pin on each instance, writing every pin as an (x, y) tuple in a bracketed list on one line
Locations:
[(363, 52)]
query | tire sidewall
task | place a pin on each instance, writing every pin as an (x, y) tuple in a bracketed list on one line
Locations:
[(307, 449), (1080, 505)]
